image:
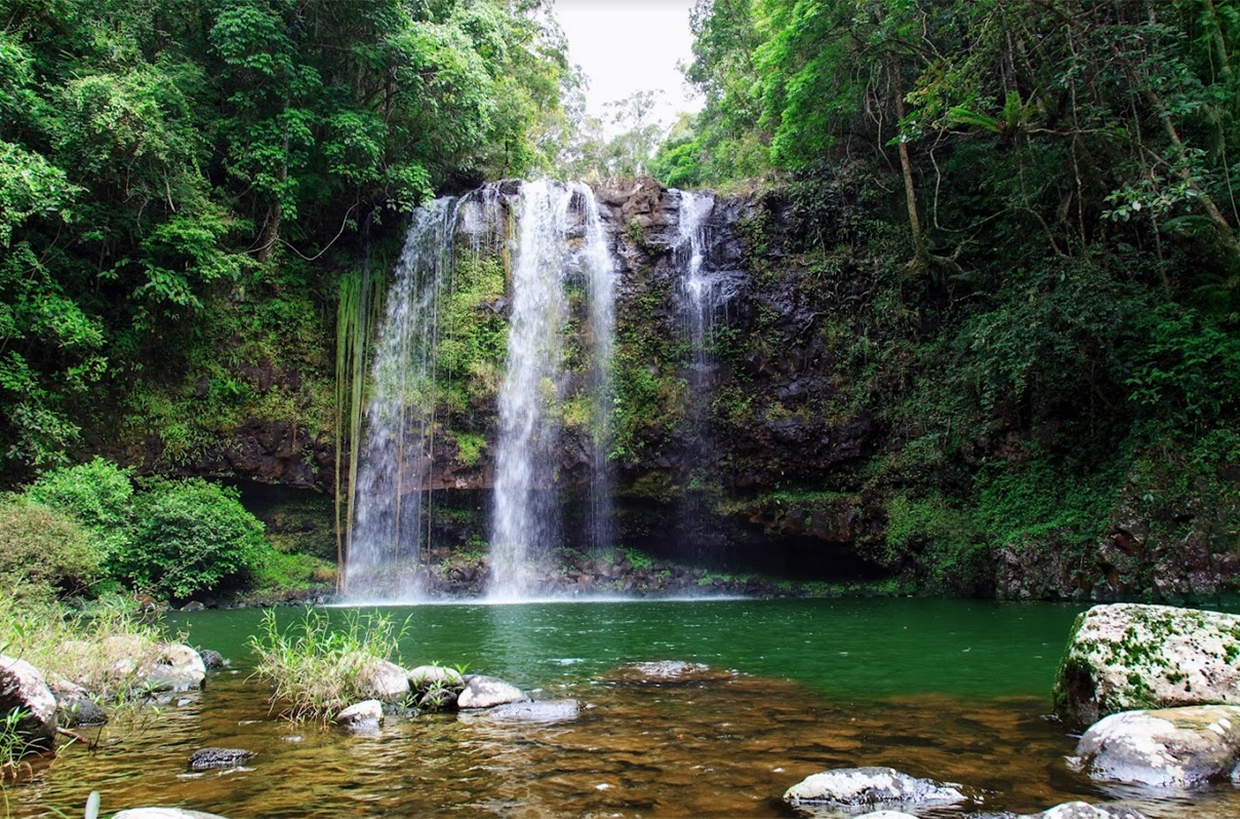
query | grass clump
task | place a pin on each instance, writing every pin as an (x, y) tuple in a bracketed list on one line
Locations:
[(107, 649), (316, 666)]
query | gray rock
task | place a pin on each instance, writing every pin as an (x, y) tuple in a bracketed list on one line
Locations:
[(179, 668), (205, 758), (1083, 810), (859, 787), (383, 680), (22, 687), (1129, 656), (488, 692), (543, 712), (435, 687), (194, 605), (165, 813), (1179, 748), (364, 715), (886, 814)]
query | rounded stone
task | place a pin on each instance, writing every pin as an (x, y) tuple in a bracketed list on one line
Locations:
[(487, 692), (859, 787)]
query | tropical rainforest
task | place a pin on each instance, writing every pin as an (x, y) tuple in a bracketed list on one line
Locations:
[(1016, 224)]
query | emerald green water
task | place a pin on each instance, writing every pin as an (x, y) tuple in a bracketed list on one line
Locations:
[(954, 690), (857, 649)]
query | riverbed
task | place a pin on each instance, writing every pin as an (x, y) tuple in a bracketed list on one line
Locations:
[(953, 690)]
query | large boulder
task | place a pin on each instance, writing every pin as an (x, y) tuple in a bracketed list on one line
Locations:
[(177, 667), (864, 787), (488, 692), (23, 688), (381, 680), (1129, 656), (1180, 748)]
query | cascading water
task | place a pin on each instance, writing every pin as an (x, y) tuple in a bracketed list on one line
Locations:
[(387, 533), (525, 513), (601, 284)]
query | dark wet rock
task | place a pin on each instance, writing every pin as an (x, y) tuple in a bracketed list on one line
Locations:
[(488, 692), (1129, 656), (1084, 810), (544, 712), (22, 687), (668, 671), (75, 707), (1180, 748), (205, 758), (212, 659), (178, 668), (165, 813), (860, 787), (362, 715)]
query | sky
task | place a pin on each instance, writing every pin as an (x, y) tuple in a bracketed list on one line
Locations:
[(630, 45)]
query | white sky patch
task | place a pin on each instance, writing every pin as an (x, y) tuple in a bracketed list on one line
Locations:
[(626, 46)]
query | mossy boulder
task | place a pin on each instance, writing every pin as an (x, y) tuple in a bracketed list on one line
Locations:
[(1129, 656)]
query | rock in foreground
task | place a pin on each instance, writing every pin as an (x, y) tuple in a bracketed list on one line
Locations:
[(364, 715), (1180, 748), (860, 787), (165, 813), (1130, 656), (23, 688)]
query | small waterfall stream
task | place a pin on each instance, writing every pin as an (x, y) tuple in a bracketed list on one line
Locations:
[(386, 536), (526, 513)]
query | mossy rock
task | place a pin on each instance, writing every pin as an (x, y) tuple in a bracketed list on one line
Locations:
[(1128, 656)]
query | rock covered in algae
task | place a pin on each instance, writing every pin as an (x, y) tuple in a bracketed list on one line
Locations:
[(205, 758), (1180, 748), (1129, 656), (860, 787)]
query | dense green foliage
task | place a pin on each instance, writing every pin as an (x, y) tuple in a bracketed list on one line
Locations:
[(85, 526), (1016, 224), (163, 164)]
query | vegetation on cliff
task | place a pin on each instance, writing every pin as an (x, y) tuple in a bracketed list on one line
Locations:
[(1014, 228)]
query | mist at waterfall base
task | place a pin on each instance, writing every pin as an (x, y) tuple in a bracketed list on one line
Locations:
[(552, 238)]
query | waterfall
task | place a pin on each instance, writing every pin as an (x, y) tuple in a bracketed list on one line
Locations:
[(525, 513), (388, 530), (701, 292)]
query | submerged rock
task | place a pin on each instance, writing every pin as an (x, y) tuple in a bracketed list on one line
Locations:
[(488, 692), (1179, 748), (544, 712), (1129, 656), (363, 715), (669, 671), (859, 787), (1083, 810), (205, 758), (22, 687)]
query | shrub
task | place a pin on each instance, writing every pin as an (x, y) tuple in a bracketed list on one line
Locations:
[(190, 536), (98, 495), (43, 552), (313, 665)]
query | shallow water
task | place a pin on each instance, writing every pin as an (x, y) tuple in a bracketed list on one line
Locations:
[(954, 690)]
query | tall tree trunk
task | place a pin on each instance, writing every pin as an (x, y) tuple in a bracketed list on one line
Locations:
[(921, 256)]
